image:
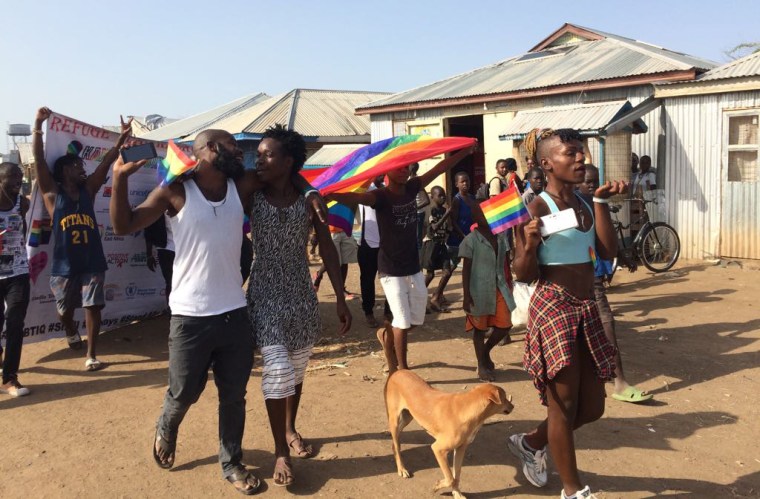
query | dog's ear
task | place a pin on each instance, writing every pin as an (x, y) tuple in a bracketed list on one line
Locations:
[(493, 395)]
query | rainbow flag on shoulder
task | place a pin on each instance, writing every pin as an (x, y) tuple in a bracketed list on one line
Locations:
[(175, 164), (505, 210)]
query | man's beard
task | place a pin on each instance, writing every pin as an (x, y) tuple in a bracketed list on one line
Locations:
[(228, 163)]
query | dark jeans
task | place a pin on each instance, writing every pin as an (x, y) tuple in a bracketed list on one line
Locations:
[(367, 258), (223, 343), (14, 292)]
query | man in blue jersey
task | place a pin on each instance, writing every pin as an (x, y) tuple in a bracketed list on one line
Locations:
[(79, 264)]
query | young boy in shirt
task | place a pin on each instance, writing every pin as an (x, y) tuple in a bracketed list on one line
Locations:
[(398, 258), (488, 299)]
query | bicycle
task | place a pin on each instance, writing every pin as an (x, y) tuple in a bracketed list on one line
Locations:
[(656, 244)]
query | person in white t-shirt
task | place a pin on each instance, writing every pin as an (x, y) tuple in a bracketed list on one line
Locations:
[(369, 246), (645, 179)]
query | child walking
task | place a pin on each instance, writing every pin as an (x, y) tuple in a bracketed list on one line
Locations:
[(488, 300), (398, 260), (435, 254)]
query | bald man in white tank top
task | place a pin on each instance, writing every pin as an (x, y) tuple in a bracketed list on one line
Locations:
[(209, 325)]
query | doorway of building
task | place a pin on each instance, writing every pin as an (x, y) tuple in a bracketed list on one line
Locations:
[(474, 165)]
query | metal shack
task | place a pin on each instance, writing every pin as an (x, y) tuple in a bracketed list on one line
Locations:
[(712, 158), (576, 77)]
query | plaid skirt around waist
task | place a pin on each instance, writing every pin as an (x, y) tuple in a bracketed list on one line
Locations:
[(554, 318)]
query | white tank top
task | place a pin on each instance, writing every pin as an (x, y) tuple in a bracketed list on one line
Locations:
[(207, 238)]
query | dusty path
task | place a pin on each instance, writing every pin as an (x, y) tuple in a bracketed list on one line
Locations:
[(690, 337)]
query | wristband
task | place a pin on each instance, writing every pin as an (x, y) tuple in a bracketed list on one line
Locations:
[(601, 200), (306, 194), (37, 130)]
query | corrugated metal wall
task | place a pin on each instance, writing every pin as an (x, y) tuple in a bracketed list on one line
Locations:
[(695, 177)]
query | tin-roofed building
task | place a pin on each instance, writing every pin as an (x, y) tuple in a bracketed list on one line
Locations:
[(712, 160), (321, 116), (576, 77)]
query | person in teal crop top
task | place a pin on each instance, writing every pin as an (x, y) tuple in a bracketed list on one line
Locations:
[(566, 351)]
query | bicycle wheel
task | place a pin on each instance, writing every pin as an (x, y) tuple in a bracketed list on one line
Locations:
[(660, 247)]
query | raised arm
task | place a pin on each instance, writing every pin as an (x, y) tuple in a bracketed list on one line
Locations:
[(45, 182), (124, 218), (606, 238), (527, 239), (99, 176), (353, 198), (445, 165)]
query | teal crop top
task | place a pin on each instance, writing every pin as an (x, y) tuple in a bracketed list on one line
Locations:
[(570, 246)]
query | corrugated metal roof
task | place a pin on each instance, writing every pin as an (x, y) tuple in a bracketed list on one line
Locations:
[(190, 126), (746, 66), (608, 58), (586, 118), (330, 154), (312, 113)]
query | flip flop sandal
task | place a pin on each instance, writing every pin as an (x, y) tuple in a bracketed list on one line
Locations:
[(251, 483), (74, 341), (93, 365), (289, 479), (167, 447), (305, 450), (632, 395)]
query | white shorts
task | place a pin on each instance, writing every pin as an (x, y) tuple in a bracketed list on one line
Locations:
[(407, 298), (283, 370)]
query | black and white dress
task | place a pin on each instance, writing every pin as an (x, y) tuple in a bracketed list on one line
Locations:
[(282, 303)]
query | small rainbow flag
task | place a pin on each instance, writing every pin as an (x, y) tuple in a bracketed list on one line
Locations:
[(592, 254), (505, 210), (175, 164)]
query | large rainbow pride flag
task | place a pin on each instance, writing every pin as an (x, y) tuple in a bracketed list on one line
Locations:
[(505, 210), (356, 171), (175, 164)]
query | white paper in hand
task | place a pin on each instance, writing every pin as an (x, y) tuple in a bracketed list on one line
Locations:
[(557, 222)]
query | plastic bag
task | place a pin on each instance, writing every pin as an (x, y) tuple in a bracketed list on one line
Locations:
[(521, 293)]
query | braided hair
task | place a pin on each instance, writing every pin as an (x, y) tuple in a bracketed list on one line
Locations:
[(535, 136)]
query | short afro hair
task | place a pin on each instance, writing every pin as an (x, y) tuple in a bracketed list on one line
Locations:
[(292, 143)]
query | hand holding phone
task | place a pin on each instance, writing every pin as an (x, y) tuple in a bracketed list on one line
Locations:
[(136, 153)]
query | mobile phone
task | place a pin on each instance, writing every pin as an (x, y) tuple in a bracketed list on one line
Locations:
[(139, 152)]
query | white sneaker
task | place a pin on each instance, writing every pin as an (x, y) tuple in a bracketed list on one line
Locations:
[(533, 464), (584, 493), (14, 389)]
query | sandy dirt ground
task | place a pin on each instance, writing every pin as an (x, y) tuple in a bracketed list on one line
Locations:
[(690, 336)]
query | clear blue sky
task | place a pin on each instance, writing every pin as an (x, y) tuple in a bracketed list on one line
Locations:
[(93, 60)]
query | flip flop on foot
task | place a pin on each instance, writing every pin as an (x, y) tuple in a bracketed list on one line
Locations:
[(163, 451), (632, 395), (439, 307), (371, 321), (74, 341), (283, 473), (244, 481), (302, 448), (93, 365)]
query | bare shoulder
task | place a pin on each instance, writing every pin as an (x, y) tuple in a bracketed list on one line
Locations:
[(538, 207)]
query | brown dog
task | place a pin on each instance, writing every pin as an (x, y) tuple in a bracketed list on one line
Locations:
[(453, 419)]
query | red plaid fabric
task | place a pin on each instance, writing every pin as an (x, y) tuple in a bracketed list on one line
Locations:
[(554, 318)]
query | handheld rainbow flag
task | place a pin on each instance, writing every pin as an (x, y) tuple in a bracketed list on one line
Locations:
[(356, 171), (592, 254), (505, 210), (175, 164)]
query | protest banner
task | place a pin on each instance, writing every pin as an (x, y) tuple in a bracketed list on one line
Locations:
[(132, 291)]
